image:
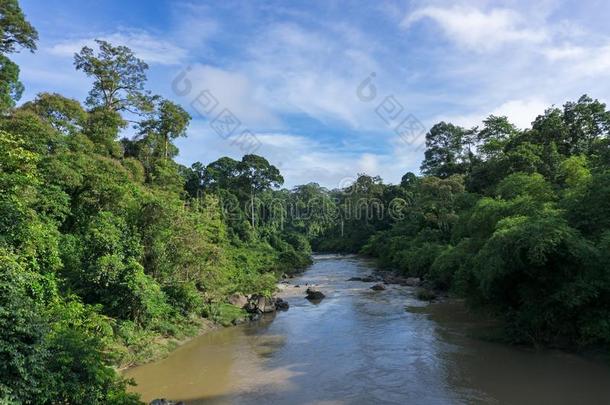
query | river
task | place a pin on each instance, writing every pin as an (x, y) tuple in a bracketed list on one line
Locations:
[(359, 346)]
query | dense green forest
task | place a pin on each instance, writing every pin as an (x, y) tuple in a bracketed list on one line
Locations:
[(109, 248)]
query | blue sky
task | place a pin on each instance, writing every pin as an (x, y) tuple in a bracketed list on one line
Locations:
[(290, 71)]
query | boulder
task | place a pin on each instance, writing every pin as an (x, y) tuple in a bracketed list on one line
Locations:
[(257, 304), (265, 304), (394, 279), (238, 300), (251, 307), (355, 279), (281, 305), (368, 279), (378, 287), (314, 294)]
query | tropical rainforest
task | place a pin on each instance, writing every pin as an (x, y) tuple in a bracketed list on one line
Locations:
[(110, 250)]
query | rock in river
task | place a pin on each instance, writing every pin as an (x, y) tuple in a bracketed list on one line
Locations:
[(378, 287), (266, 304), (260, 304), (314, 294), (281, 305)]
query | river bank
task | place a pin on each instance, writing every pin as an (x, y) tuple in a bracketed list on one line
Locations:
[(154, 347)]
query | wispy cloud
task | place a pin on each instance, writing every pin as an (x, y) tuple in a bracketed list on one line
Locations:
[(193, 26), (286, 69), (314, 73), (150, 48), (234, 91), (479, 30)]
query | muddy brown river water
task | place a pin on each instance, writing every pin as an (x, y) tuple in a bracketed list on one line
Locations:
[(359, 346)]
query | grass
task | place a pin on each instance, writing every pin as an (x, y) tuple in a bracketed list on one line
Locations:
[(134, 345), (225, 314)]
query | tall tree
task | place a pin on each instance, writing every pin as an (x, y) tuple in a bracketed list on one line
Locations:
[(587, 120), (444, 147), (494, 136), (118, 75), (15, 30), (258, 174), (220, 174), (168, 121)]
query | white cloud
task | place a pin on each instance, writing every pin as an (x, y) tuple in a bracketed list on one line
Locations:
[(287, 69), (520, 112), (369, 163), (479, 30), (234, 91), (193, 26), (593, 61), (315, 73), (147, 47), (564, 52)]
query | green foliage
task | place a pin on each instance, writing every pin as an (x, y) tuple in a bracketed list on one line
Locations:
[(102, 127), (224, 314), (445, 150), (290, 260), (168, 121), (522, 184), (10, 86), (63, 114), (184, 298), (15, 30), (51, 350), (22, 353)]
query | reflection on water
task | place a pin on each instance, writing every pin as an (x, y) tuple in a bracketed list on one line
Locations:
[(359, 347)]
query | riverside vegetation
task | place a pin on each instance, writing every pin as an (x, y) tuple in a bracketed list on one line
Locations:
[(109, 249)]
